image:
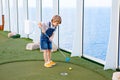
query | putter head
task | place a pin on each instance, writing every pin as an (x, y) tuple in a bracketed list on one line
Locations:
[(67, 59)]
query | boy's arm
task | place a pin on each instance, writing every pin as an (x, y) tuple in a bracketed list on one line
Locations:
[(40, 25), (51, 38)]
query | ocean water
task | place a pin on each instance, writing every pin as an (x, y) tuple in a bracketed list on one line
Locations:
[(96, 31)]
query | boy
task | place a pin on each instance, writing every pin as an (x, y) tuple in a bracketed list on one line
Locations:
[(46, 38)]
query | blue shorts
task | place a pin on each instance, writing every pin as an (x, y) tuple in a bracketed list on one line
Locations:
[(45, 44)]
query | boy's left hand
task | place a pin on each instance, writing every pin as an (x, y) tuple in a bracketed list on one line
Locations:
[(51, 38)]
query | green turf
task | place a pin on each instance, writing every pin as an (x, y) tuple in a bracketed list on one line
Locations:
[(13, 51), (34, 70)]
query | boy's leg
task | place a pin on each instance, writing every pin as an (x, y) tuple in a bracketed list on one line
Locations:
[(49, 50), (44, 47), (45, 56), (49, 55), (49, 58), (46, 59)]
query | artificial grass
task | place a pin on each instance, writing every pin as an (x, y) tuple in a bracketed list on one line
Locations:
[(13, 50), (34, 70)]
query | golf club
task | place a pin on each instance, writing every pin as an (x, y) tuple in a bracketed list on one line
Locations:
[(67, 59)]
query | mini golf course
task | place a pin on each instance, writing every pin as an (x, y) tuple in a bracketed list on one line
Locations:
[(16, 63), (34, 70)]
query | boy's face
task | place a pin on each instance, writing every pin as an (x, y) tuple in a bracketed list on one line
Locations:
[(55, 24)]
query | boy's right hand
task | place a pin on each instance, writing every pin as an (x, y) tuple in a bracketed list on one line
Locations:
[(40, 24)]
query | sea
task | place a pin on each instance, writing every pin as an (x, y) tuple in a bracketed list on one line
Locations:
[(96, 31)]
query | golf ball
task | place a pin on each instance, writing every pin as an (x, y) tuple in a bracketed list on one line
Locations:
[(70, 68)]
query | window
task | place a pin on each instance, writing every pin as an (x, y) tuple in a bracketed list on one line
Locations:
[(13, 16), (47, 10), (96, 28), (21, 18), (32, 10), (6, 14), (1, 12), (66, 29)]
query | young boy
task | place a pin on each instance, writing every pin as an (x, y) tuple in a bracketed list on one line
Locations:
[(46, 38)]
